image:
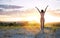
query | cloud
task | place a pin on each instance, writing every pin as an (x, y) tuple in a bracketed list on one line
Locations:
[(9, 9), (18, 13), (1, 10), (10, 6), (55, 12), (9, 12)]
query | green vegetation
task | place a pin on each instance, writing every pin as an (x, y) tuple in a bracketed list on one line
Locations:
[(54, 25), (13, 23), (9, 25)]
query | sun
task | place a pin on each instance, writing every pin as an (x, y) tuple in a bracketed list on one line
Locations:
[(51, 18), (48, 18), (32, 15)]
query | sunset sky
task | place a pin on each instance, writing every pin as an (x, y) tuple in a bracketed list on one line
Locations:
[(24, 10)]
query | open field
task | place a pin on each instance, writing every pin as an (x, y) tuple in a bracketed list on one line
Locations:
[(28, 30)]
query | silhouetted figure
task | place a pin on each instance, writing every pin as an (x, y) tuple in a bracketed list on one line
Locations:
[(42, 12)]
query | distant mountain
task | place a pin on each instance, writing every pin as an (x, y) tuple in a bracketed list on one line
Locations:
[(10, 6)]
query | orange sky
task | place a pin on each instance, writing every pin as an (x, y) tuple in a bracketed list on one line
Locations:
[(31, 15)]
